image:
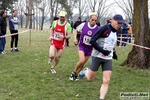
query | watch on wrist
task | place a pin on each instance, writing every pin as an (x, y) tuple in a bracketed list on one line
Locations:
[(64, 37)]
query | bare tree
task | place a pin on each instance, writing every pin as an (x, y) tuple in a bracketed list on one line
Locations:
[(64, 5), (44, 13), (149, 7), (127, 8), (82, 7), (21, 10), (92, 4), (36, 14), (73, 5), (101, 8), (51, 9), (28, 13), (26, 10), (139, 57)]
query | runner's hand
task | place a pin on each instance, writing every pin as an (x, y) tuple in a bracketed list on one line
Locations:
[(115, 55), (106, 52), (50, 38), (75, 42)]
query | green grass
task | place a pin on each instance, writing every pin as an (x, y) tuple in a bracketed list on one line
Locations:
[(25, 75)]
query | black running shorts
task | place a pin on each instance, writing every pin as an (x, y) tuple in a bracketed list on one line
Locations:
[(96, 62)]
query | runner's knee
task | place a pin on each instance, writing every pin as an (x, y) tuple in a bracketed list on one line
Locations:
[(90, 78), (90, 75), (51, 56), (106, 80), (82, 61), (57, 58)]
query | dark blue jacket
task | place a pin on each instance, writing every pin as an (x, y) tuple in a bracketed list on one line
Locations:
[(12, 22)]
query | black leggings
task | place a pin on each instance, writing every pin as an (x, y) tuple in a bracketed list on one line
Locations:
[(14, 38)]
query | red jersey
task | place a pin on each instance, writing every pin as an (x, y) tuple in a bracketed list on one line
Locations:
[(57, 42)]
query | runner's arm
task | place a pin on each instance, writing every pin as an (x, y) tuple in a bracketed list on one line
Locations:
[(69, 29), (94, 39), (78, 30), (52, 30), (75, 34)]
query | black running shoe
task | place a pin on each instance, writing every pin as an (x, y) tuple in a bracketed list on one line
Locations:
[(17, 50), (74, 76)]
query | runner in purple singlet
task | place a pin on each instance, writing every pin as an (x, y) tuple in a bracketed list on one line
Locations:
[(87, 30)]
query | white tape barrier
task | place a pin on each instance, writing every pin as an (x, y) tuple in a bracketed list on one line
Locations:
[(39, 31), (125, 37), (135, 45), (13, 34)]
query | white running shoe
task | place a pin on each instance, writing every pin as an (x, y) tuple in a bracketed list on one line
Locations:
[(49, 61), (3, 52), (53, 70)]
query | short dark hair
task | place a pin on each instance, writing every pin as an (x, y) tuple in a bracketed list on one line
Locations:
[(108, 21), (14, 11), (79, 17), (98, 23), (2, 12)]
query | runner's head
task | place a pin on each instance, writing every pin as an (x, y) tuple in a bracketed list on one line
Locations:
[(62, 16), (117, 21), (93, 19)]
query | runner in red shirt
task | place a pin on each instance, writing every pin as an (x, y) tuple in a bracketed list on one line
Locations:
[(59, 32)]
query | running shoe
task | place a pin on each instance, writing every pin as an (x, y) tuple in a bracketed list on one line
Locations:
[(74, 76), (49, 61), (3, 52), (52, 70), (82, 73), (17, 50)]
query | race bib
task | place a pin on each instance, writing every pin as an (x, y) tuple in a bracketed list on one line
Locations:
[(86, 40), (57, 35)]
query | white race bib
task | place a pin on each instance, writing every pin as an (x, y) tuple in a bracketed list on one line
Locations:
[(57, 35), (86, 40)]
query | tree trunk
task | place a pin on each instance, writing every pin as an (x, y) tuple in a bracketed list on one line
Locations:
[(139, 57), (33, 25), (30, 13), (36, 15), (42, 22), (51, 10), (21, 20), (56, 9), (27, 19)]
